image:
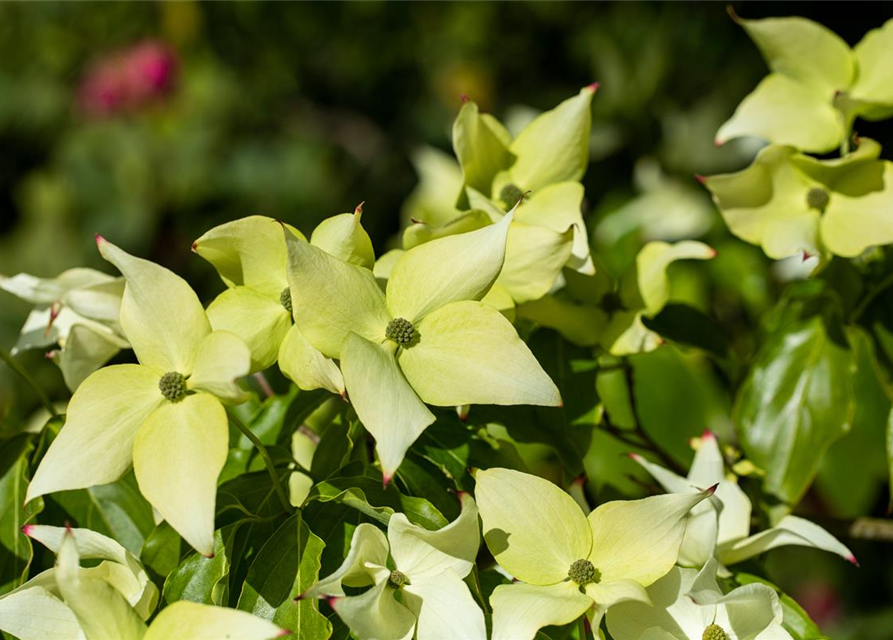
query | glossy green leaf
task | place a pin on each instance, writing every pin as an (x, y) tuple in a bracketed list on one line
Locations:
[(285, 567), (805, 371), (14, 473), (203, 579)]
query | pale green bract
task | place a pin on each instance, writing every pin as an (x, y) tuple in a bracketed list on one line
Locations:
[(425, 567), (251, 257), (120, 416), (722, 530), (78, 311), (768, 203), (461, 351), (111, 600), (686, 603), (539, 535), (537, 174), (817, 84)]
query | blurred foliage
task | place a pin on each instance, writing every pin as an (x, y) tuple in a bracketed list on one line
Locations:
[(301, 111)]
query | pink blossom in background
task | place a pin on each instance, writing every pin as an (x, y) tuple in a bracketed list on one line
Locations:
[(129, 79)]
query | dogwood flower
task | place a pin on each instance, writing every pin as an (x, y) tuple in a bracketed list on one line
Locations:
[(615, 322), (791, 204), (687, 604), (817, 86), (429, 339), (77, 310), (164, 415), (70, 602), (725, 535), (567, 564), (251, 257), (420, 593), (546, 162), (36, 610)]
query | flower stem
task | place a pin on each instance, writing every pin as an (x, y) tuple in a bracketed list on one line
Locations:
[(268, 461), (869, 298), (19, 369)]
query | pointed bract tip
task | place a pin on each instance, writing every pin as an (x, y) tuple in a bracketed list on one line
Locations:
[(386, 479), (806, 255), (358, 210), (634, 456), (332, 601), (209, 556), (712, 253), (580, 480), (99, 239), (718, 143), (464, 98), (282, 633), (712, 490), (700, 178), (593, 87), (852, 560), (195, 247), (707, 435), (27, 529), (731, 11)]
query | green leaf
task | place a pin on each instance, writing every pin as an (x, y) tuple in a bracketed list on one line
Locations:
[(796, 620), (161, 550), (796, 401), (201, 579), (14, 475), (687, 325), (335, 446), (366, 494), (286, 566), (116, 510)]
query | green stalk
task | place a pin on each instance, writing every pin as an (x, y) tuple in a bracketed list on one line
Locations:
[(268, 461), (19, 369)]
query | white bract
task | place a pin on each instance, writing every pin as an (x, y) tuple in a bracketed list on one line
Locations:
[(725, 534), (687, 604), (78, 311)]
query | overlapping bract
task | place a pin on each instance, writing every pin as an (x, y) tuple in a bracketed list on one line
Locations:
[(78, 311), (110, 600), (722, 530), (425, 567), (817, 84)]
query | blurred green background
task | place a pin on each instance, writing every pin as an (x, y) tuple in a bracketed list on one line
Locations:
[(301, 111)]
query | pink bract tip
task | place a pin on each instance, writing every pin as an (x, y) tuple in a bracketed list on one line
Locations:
[(359, 208), (717, 142), (708, 434), (283, 632), (806, 255), (852, 559), (209, 556), (332, 601), (464, 98), (712, 253), (27, 529), (700, 178), (593, 87), (99, 239), (385, 480), (712, 490), (194, 246), (580, 480), (634, 456)]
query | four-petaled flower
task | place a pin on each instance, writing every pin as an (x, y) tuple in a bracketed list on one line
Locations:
[(568, 564), (428, 340), (164, 415)]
